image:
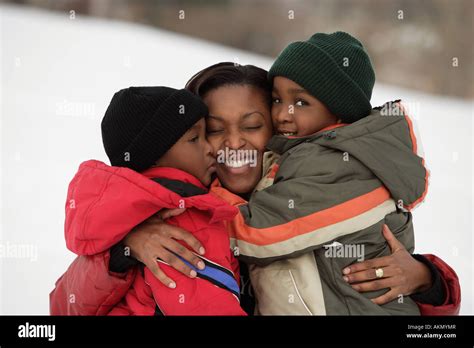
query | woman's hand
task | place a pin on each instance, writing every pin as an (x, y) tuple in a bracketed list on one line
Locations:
[(403, 274), (154, 239)]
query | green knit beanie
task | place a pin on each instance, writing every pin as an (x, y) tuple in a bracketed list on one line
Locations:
[(334, 68)]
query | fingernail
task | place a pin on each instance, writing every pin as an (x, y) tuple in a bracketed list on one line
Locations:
[(201, 265), (201, 251), (345, 278), (193, 273), (172, 285), (346, 270)]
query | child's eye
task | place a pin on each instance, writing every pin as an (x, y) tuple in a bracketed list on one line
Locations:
[(194, 139), (276, 100), (301, 102)]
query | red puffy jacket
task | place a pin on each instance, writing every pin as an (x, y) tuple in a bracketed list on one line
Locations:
[(104, 203)]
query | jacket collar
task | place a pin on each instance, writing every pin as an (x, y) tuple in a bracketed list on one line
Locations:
[(280, 143), (217, 207), (174, 174)]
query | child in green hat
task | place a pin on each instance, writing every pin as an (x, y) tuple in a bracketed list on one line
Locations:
[(345, 170)]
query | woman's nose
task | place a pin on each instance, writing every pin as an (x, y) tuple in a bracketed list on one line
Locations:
[(234, 141)]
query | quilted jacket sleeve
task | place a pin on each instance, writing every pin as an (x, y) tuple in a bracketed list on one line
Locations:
[(89, 288), (452, 289)]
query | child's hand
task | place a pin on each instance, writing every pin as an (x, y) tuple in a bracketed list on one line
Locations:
[(403, 274), (155, 239)]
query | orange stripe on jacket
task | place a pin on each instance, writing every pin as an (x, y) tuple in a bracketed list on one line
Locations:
[(309, 223), (412, 133), (415, 150)]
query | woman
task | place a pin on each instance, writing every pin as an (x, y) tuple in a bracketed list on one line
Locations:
[(239, 102)]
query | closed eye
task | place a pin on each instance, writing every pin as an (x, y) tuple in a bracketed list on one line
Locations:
[(253, 128), (213, 131)]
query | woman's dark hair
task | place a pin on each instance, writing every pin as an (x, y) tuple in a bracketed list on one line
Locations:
[(229, 74)]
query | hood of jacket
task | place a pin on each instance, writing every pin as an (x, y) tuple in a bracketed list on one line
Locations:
[(383, 141), (105, 203)]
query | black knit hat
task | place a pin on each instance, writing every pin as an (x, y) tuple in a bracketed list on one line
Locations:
[(334, 68), (142, 123)]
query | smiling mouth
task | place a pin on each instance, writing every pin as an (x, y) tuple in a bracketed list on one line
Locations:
[(287, 134), (237, 164)]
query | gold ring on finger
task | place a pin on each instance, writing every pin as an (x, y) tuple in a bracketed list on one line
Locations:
[(379, 272)]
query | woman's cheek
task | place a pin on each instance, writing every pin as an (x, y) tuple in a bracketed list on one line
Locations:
[(260, 142)]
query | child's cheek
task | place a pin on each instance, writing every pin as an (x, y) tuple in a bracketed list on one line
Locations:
[(206, 179), (274, 115)]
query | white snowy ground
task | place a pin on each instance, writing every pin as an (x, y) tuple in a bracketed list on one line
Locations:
[(57, 78)]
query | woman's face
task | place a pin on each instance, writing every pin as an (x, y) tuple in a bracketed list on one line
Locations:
[(238, 128)]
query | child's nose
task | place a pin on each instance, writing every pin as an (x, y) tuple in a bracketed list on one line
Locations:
[(283, 114), (208, 148)]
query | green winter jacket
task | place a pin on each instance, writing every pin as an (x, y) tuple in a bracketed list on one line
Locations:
[(321, 207)]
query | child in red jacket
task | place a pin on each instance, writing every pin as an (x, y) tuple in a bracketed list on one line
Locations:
[(155, 140)]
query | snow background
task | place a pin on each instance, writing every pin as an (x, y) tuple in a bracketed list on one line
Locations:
[(57, 78)]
